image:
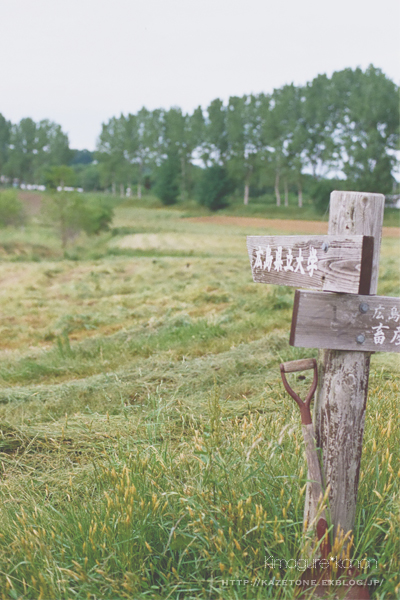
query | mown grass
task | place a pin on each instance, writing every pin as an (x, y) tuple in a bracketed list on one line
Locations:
[(147, 447)]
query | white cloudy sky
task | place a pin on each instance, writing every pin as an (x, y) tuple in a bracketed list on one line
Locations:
[(80, 62)]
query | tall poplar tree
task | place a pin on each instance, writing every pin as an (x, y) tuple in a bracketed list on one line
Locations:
[(23, 147), (142, 142), (112, 153), (320, 117), (368, 127), (5, 132), (279, 130), (216, 144), (243, 136)]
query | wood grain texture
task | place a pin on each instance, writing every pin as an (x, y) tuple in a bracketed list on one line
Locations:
[(332, 263), (339, 423), (345, 322), (358, 213), (314, 470), (339, 409)]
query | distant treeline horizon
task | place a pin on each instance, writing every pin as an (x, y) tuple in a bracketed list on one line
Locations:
[(344, 127)]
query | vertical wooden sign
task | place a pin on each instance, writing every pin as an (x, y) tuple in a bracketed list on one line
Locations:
[(339, 409)]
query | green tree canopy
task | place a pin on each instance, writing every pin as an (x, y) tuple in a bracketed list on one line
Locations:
[(33, 147), (5, 132), (59, 176), (167, 180), (367, 127), (344, 126)]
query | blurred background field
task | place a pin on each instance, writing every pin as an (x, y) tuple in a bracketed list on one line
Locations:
[(147, 447)]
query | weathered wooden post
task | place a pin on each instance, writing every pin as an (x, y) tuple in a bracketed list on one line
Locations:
[(339, 409), (348, 325)]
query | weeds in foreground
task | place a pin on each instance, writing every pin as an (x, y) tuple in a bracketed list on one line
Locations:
[(178, 503)]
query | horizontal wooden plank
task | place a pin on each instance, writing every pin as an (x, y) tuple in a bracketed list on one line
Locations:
[(323, 262), (345, 322)]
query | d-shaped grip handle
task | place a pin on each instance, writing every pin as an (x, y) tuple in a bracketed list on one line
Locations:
[(301, 365), (298, 365)]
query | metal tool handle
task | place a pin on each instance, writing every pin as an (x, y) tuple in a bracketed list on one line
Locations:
[(314, 468), (301, 365)]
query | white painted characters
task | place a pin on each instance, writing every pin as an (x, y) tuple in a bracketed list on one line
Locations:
[(299, 263), (278, 264), (378, 314), (396, 338), (289, 260), (268, 259), (312, 261), (379, 335), (264, 259), (258, 261), (394, 315), (378, 330)]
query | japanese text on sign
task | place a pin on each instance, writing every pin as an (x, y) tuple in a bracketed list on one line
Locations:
[(382, 316), (264, 259)]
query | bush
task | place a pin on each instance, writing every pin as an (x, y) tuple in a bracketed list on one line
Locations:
[(72, 213), (214, 187), (95, 216), (11, 209), (167, 182)]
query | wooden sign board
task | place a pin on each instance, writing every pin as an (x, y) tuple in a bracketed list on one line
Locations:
[(345, 322), (323, 262)]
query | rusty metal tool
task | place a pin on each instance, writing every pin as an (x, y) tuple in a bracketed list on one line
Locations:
[(319, 574), (314, 468)]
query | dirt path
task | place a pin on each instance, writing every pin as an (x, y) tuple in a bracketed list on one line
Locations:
[(297, 226)]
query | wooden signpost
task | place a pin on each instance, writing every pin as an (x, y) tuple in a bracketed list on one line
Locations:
[(347, 326)]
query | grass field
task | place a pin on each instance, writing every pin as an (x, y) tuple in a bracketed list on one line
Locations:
[(147, 447)]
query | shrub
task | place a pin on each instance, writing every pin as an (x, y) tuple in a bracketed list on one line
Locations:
[(214, 187), (72, 213), (11, 209), (95, 216)]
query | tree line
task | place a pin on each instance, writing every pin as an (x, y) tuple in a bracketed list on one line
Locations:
[(39, 153), (345, 126)]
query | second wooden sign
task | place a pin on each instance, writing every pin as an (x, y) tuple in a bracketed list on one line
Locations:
[(345, 322)]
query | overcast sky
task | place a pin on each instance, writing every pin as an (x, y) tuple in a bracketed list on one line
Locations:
[(80, 62)]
